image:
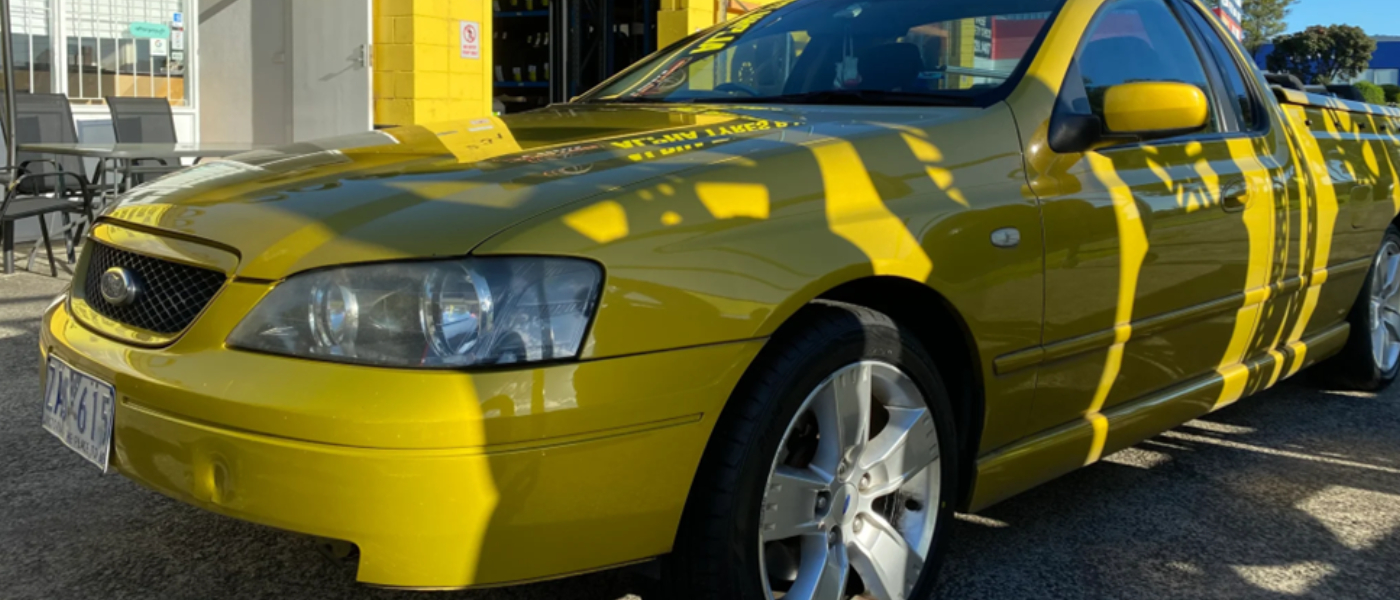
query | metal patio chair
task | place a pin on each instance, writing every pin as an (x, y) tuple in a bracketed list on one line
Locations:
[(39, 186), (143, 121)]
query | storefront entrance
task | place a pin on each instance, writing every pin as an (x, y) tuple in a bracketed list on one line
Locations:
[(549, 51)]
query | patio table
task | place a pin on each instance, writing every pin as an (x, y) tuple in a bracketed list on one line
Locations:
[(121, 158)]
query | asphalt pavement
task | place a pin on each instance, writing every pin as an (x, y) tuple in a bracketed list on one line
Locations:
[(1294, 493)]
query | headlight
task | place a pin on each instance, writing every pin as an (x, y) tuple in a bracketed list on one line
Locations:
[(476, 311)]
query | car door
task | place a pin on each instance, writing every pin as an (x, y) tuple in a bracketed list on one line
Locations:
[(1306, 217), (1151, 247)]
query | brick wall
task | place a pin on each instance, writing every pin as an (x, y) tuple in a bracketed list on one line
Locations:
[(419, 74)]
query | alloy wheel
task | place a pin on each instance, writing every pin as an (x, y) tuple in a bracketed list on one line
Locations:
[(1385, 307), (852, 498)]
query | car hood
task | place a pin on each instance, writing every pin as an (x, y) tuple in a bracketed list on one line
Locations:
[(440, 190)]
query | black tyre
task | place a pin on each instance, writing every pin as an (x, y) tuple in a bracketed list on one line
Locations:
[(1371, 358), (831, 473)]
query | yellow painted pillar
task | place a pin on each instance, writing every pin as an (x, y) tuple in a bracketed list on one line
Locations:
[(419, 73), (680, 18), (964, 50)]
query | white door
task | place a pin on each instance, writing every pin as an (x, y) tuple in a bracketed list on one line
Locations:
[(331, 88)]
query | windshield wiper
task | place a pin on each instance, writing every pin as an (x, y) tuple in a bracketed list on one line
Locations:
[(852, 97)]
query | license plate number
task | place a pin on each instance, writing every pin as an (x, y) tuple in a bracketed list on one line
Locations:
[(78, 409)]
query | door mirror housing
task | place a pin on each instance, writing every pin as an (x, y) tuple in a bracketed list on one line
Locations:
[(1132, 112), (1154, 109)]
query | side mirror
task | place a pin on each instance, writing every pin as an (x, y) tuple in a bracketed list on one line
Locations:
[(1154, 109), (1132, 112)]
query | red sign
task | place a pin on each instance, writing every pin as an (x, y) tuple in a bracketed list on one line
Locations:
[(1229, 23), (471, 40)]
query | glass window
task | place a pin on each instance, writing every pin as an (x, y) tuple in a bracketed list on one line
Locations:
[(949, 49), (1244, 108), (1138, 40), (126, 48), (29, 44)]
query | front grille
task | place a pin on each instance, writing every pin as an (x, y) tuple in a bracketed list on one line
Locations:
[(172, 294)]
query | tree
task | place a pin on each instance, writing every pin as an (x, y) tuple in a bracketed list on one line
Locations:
[(1262, 20), (1392, 93), (1322, 54), (1371, 92)]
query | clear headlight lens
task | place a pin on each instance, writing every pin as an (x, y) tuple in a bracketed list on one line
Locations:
[(457, 313)]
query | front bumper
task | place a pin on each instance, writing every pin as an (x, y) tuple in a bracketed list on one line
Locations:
[(442, 479)]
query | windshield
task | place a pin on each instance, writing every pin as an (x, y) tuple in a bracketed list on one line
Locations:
[(904, 51)]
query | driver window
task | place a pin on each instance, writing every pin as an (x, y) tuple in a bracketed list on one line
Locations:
[(1139, 40)]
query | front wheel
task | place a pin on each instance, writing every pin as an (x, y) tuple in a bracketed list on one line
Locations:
[(831, 474), (1371, 358)]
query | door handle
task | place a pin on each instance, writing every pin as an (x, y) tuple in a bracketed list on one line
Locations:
[(1234, 197), (1235, 202)]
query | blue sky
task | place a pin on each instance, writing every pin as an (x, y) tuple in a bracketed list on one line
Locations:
[(1377, 17)]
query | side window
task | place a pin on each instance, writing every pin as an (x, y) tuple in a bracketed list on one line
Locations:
[(1139, 40), (1245, 109)]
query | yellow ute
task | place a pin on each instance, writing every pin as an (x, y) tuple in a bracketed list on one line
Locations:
[(770, 304)]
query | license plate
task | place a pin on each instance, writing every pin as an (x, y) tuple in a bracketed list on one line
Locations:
[(78, 408)]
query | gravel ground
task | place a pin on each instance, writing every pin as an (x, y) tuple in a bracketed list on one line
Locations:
[(1293, 493)]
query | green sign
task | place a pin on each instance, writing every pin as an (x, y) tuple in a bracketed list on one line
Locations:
[(149, 30)]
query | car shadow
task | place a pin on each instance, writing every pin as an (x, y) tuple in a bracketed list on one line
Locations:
[(1292, 493)]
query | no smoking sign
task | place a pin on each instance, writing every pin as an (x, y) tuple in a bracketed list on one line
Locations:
[(471, 40)]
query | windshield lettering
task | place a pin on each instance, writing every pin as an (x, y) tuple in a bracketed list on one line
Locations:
[(890, 52)]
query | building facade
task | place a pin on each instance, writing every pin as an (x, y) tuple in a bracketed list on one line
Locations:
[(90, 49), (1385, 62), (280, 71)]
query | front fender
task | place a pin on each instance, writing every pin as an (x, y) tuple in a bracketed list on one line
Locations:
[(731, 249)]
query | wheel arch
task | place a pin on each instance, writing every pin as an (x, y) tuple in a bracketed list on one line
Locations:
[(938, 325)]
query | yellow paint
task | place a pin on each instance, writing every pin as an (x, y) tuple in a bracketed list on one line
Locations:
[(421, 470), (855, 212), (1258, 219), (922, 148), (1132, 248), (1193, 196), (602, 222), (474, 477), (1368, 152), (419, 74), (1317, 236), (732, 200), (1155, 106), (926, 152)]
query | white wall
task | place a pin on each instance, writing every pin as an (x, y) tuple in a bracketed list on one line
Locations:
[(244, 85)]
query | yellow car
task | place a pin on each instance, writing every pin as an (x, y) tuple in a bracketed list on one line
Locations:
[(769, 305)]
